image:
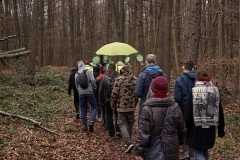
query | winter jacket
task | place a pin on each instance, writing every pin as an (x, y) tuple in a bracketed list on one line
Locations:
[(181, 89), (143, 81), (89, 67), (174, 132), (91, 80), (96, 71), (123, 96), (101, 95), (71, 82), (198, 137)]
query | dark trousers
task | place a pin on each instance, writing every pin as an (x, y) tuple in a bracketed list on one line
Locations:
[(104, 115), (110, 124), (76, 102)]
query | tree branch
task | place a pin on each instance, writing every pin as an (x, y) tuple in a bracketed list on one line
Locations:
[(13, 51), (38, 124), (4, 39), (14, 55)]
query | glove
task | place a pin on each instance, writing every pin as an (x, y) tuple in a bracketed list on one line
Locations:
[(221, 133)]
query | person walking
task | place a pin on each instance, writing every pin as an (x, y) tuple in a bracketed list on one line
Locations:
[(145, 77), (103, 110), (203, 113), (96, 73), (124, 100), (72, 86), (88, 66), (160, 121), (104, 94), (86, 86), (182, 87)]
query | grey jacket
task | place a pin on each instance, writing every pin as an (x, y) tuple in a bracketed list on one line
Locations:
[(91, 80)]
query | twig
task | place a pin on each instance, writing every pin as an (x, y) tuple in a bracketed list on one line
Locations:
[(38, 124), (229, 134)]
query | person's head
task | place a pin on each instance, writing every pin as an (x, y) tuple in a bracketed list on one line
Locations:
[(86, 63), (159, 84), (111, 70), (201, 74), (80, 65), (126, 70), (150, 59), (102, 70), (188, 65)]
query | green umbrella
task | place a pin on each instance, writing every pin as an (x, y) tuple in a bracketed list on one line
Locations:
[(116, 49)]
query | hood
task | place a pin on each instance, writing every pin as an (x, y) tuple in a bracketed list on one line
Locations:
[(96, 68), (81, 66), (190, 74), (126, 70), (153, 70), (159, 102)]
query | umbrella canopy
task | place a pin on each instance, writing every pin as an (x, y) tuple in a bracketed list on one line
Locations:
[(116, 49)]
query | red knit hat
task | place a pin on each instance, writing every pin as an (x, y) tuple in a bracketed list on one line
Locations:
[(159, 84), (86, 63)]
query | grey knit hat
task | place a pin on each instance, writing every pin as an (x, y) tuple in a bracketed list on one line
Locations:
[(151, 58)]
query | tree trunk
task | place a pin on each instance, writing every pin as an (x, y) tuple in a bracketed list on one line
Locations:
[(221, 45), (40, 56), (33, 38), (239, 53), (194, 30), (17, 26), (71, 16), (167, 40), (122, 21)]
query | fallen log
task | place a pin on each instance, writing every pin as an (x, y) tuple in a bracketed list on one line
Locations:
[(13, 51), (14, 55), (38, 124), (6, 38)]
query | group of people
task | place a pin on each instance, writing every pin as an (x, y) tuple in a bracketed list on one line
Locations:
[(189, 120)]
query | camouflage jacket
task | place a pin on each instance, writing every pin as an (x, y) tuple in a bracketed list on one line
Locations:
[(123, 96)]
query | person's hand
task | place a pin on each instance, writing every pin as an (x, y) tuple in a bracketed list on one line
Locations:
[(113, 107), (138, 158)]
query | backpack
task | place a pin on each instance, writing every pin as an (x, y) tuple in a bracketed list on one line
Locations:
[(150, 92), (109, 86), (83, 79)]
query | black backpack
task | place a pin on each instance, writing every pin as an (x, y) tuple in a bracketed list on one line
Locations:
[(109, 86), (150, 92), (83, 79)]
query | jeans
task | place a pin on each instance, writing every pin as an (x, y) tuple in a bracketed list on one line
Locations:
[(125, 122), (201, 154), (83, 99), (76, 102), (191, 150), (110, 124)]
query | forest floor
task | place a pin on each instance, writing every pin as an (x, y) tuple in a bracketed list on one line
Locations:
[(43, 97)]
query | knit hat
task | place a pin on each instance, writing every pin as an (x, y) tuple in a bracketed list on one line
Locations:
[(86, 63), (159, 84)]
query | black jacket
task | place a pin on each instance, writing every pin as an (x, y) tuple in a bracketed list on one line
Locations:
[(198, 137), (96, 71), (174, 132), (71, 82)]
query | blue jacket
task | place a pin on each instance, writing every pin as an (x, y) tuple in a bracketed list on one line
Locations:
[(144, 81), (181, 89)]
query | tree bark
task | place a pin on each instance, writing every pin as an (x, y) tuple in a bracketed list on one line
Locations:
[(40, 56), (167, 40), (194, 30), (17, 26), (239, 53)]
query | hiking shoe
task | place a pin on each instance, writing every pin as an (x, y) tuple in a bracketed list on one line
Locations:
[(130, 146), (77, 117), (85, 129), (112, 138), (184, 155), (191, 158), (118, 134), (91, 127)]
